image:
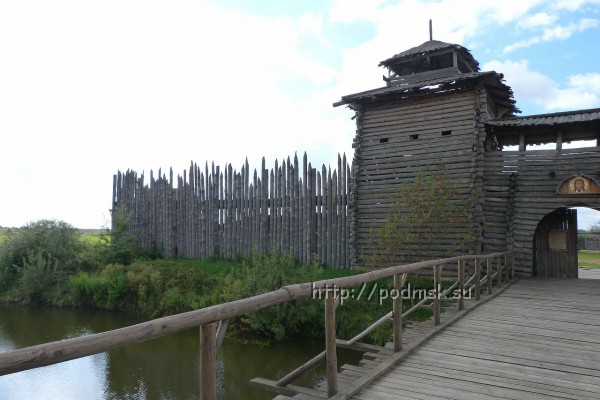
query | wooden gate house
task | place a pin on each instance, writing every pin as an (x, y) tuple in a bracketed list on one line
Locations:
[(435, 107), (438, 107)]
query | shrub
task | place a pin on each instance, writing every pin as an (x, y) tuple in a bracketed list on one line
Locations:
[(39, 254)]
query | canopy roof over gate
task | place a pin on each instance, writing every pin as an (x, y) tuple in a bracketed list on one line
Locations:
[(544, 128)]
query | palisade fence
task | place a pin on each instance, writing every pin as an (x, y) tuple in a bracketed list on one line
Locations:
[(226, 213)]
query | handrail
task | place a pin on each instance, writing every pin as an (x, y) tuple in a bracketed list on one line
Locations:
[(68, 349)]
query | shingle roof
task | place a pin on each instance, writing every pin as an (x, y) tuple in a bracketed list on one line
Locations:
[(503, 96), (429, 47), (549, 119)]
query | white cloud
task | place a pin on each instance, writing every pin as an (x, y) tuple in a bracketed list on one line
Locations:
[(537, 20), (573, 5), (557, 32), (589, 81), (565, 32), (582, 91)]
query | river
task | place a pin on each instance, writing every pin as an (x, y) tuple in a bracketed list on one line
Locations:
[(162, 369)]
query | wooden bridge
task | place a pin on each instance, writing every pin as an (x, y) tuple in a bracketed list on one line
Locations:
[(537, 339), (516, 339)]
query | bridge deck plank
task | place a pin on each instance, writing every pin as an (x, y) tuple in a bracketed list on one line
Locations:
[(539, 339)]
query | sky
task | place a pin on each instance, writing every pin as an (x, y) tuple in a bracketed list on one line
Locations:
[(88, 88)]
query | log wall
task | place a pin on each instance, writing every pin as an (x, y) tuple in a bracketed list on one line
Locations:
[(387, 153), (228, 213)]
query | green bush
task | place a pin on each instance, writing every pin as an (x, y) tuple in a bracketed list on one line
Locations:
[(39, 255), (261, 274)]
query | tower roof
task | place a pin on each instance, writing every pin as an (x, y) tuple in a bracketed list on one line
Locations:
[(493, 81), (429, 49)]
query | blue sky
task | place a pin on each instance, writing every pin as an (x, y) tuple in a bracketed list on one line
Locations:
[(88, 88)]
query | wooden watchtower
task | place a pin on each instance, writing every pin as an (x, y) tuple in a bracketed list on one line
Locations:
[(437, 107), (432, 110)]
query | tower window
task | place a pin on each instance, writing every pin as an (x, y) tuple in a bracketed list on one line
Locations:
[(446, 133), (384, 140), (414, 137)]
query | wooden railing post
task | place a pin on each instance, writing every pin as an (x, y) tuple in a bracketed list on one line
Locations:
[(208, 356), (489, 275), (397, 312), (499, 269), (512, 266), (507, 270), (461, 284), (437, 281), (330, 345), (477, 279)]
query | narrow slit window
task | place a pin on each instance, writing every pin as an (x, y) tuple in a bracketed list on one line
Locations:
[(446, 133), (384, 140), (414, 137)]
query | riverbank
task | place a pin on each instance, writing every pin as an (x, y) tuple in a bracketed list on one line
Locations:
[(56, 266)]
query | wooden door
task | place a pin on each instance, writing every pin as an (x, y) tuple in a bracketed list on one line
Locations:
[(555, 245)]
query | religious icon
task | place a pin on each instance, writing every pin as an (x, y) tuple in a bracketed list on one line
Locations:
[(579, 184)]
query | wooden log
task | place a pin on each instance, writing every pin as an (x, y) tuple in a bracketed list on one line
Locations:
[(437, 282), (334, 222), (319, 222), (489, 275), (499, 269), (301, 370), (397, 312), (208, 357), (330, 345), (477, 279), (329, 214), (461, 284)]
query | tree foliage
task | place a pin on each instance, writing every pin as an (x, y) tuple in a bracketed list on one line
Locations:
[(38, 254), (424, 213)]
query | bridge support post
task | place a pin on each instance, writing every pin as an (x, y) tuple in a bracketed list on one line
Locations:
[(477, 279), (437, 281), (507, 269), (397, 312), (461, 284), (489, 275), (330, 345), (208, 356)]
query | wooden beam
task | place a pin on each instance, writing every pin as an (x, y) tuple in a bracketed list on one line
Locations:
[(437, 282), (208, 357), (397, 312), (477, 279), (307, 366), (330, 346), (522, 146), (499, 269), (489, 275), (559, 139), (461, 284)]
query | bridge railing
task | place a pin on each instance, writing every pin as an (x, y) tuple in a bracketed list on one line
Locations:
[(211, 336)]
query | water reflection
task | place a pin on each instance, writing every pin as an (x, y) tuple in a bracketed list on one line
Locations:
[(164, 369)]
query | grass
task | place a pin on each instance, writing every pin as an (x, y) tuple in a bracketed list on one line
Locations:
[(589, 259)]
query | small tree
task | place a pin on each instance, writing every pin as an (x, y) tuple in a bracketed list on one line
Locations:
[(119, 244), (38, 255), (423, 212)]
